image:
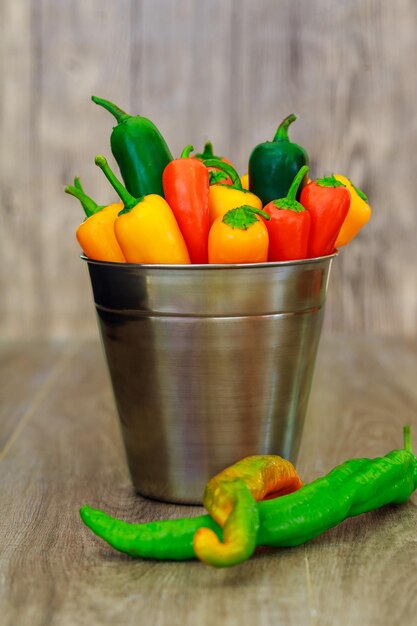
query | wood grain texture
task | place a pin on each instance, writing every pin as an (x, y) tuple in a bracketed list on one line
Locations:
[(68, 452), (228, 71), (25, 372)]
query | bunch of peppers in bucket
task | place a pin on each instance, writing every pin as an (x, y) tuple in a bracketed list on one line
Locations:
[(196, 209)]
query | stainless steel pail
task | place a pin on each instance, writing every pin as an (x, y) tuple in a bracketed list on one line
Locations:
[(208, 364)]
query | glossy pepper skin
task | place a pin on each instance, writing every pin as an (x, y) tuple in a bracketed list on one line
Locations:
[(230, 498), (239, 237), (96, 233), (327, 200), (139, 149), (146, 228), (223, 197), (274, 164), (359, 212), (244, 181), (186, 187), (289, 226), (352, 488)]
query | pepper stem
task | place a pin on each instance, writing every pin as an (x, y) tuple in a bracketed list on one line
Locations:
[(187, 151), (118, 113), (78, 185), (216, 176), (90, 207), (408, 444), (282, 130), (208, 150), (128, 200), (292, 192), (243, 217), (225, 167)]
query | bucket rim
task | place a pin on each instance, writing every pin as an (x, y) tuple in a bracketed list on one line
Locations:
[(209, 266)]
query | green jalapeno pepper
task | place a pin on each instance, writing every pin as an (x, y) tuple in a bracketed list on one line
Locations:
[(274, 164), (354, 487), (139, 149)]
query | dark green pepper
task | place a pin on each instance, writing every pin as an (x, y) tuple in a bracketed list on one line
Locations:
[(139, 149), (274, 164)]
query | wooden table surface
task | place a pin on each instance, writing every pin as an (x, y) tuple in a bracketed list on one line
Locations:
[(60, 448)]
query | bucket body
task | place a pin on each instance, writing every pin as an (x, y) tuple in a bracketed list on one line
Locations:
[(209, 364)]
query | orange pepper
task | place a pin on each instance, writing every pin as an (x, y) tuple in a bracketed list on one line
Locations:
[(96, 234), (146, 228), (239, 237)]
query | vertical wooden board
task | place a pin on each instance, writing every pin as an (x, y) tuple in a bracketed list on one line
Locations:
[(181, 70), (85, 50), (334, 64), (375, 90), (19, 229), (228, 71)]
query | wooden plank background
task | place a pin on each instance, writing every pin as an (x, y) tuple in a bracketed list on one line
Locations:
[(228, 70)]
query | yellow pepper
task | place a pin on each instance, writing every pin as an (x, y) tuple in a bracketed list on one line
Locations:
[(146, 228), (224, 198), (359, 213), (245, 181), (96, 234)]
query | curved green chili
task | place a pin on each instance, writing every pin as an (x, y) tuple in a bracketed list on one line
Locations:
[(354, 487)]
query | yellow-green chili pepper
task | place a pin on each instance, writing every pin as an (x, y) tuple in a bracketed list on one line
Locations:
[(230, 498)]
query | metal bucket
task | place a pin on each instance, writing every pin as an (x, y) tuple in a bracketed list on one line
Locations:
[(208, 364)]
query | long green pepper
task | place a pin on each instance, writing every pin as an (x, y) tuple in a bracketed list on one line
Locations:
[(139, 149), (354, 487)]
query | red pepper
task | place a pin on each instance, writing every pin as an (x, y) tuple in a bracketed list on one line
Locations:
[(289, 226), (186, 189), (327, 200)]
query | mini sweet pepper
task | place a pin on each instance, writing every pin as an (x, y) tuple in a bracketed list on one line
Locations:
[(146, 228), (359, 212), (289, 226), (186, 188), (96, 233), (327, 200), (239, 236), (223, 197)]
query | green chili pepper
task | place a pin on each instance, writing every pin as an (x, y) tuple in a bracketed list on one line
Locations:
[(274, 164), (354, 487), (139, 149)]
